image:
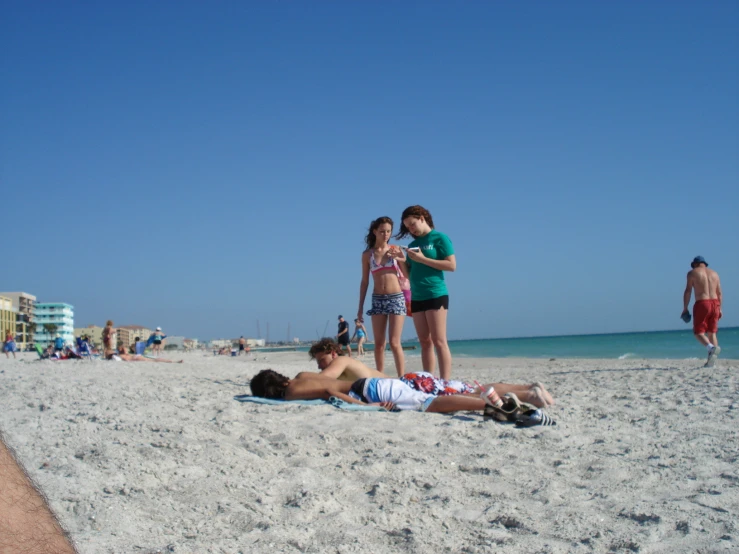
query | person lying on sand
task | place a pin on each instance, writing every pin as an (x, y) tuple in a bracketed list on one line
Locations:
[(391, 394), (327, 354), (122, 356)]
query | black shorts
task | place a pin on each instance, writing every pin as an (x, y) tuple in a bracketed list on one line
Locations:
[(241, 347), (344, 339), (430, 304), (157, 342)]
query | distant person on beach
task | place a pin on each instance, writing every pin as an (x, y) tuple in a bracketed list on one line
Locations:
[(242, 345), (429, 255), (121, 356), (343, 335), (328, 356), (386, 264), (58, 343), (388, 393), (9, 345), (706, 285), (27, 523), (109, 345), (158, 340), (360, 333)]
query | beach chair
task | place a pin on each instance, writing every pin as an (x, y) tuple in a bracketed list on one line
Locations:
[(40, 351), (84, 350)]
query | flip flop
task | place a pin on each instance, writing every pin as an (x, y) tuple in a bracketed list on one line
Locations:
[(531, 418)]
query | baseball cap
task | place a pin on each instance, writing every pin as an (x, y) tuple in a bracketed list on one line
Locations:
[(698, 260), (159, 328), (341, 317)]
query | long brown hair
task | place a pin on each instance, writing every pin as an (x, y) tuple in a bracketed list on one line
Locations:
[(370, 239), (413, 211)]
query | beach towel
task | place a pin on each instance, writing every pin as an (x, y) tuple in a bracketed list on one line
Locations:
[(337, 402)]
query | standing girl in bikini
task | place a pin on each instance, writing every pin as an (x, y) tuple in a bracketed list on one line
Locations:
[(361, 334), (428, 256), (388, 303)]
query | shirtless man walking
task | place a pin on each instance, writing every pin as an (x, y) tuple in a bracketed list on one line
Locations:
[(707, 307)]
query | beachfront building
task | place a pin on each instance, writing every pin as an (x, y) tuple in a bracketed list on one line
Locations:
[(93, 331), (7, 318), (127, 334), (24, 306), (222, 343), (191, 344), (251, 343), (54, 313)]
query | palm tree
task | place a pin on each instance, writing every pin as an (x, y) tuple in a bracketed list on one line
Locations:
[(51, 329), (30, 332)]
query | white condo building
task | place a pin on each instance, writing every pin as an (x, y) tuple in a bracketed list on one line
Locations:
[(54, 313)]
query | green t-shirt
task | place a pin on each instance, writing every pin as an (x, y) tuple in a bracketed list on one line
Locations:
[(427, 282)]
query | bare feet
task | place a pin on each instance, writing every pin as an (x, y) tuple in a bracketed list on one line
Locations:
[(547, 397)]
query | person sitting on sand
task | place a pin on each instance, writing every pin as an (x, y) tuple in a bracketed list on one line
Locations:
[(327, 354), (121, 355), (391, 394)]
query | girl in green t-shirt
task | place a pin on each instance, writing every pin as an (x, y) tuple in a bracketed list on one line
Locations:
[(428, 256)]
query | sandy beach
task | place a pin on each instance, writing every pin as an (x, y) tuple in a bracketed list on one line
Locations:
[(145, 458)]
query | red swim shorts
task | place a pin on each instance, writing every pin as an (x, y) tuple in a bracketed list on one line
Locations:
[(705, 316)]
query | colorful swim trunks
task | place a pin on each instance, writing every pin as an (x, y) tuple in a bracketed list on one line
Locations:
[(706, 316), (426, 382)]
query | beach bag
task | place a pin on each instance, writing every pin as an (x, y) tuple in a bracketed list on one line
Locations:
[(405, 286)]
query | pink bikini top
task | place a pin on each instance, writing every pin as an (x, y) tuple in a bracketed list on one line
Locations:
[(375, 267)]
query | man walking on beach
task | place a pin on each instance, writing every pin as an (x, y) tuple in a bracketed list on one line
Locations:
[(707, 308), (343, 336)]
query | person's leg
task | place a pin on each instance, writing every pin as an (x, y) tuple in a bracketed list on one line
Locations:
[(437, 328), (360, 346), (349, 348), (428, 360), (455, 403), (396, 331), (713, 338), (379, 330), (534, 394), (702, 339)]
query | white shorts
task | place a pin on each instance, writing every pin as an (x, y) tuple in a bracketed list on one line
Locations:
[(397, 392)]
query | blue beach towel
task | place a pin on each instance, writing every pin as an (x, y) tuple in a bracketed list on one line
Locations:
[(337, 402)]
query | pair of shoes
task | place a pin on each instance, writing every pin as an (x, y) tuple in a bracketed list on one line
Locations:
[(712, 355), (508, 411), (534, 417)]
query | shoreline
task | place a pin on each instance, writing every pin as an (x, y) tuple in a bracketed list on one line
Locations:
[(147, 457)]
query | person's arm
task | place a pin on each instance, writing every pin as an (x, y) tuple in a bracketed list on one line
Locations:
[(720, 297), (688, 292), (405, 270), (346, 330), (447, 264), (364, 284), (27, 523)]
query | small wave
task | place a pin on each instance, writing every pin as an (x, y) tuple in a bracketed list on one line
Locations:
[(627, 356)]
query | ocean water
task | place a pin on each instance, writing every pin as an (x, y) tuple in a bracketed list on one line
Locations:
[(655, 344)]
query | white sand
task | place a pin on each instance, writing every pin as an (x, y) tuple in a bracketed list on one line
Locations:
[(140, 457)]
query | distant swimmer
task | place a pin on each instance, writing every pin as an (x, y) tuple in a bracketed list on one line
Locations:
[(707, 308)]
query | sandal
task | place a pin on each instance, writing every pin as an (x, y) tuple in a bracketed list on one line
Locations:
[(530, 418)]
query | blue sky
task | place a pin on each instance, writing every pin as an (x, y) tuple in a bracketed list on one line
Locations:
[(203, 166)]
